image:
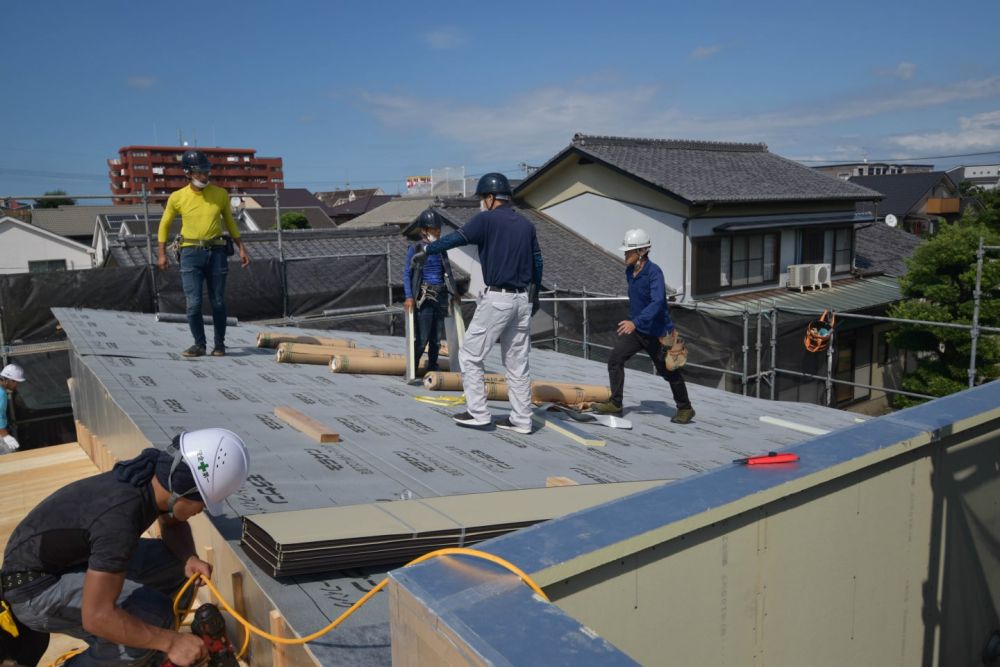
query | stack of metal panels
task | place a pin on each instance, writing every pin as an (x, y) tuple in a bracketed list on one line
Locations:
[(333, 538)]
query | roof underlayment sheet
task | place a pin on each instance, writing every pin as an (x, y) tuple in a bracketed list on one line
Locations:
[(392, 447)]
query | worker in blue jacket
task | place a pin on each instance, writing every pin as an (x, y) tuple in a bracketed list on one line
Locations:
[(649, 321), (428, 284)]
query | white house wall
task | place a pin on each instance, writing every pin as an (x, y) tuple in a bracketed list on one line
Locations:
[(603, 221), (18, 246)]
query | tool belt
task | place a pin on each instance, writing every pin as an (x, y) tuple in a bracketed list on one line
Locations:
[(675, 352), (11, 580), (431, 292)]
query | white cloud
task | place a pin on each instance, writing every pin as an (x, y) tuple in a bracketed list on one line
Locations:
[(538, 122), (444, 38), (975, 133), (140, 81), (703, 52), (904, 70)]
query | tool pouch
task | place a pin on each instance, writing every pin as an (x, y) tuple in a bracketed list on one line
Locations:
[(675, 352), (175, 247), (230, 246)]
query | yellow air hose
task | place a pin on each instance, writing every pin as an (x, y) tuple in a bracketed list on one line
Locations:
[(250, 628)]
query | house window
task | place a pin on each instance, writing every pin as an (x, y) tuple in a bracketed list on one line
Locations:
[(46, 265), (843, 247), (735, 261), (812, 246)]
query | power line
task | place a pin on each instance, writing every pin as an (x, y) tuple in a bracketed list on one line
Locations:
[(912, 159)]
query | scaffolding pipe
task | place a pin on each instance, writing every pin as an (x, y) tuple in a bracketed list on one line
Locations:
[(555, 318), (746, 348), (586, 327), (974, 334), (829, 369), (899, 320), (281, 254), (854, 384), (388, 286), (145, 217), (757, 367), (774, 351)]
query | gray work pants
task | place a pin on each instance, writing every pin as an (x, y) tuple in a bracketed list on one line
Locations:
[(153, 576), (505, 318)]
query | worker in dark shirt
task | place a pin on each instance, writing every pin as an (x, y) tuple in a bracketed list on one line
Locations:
[(77, 564), (512, 271), (649, 321), (428, 286)]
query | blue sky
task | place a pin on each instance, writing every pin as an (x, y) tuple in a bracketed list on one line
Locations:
[(370, 93)]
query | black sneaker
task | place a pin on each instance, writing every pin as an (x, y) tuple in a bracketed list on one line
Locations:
[(194, 351), (506, 425), (465, 419), (219, 351)]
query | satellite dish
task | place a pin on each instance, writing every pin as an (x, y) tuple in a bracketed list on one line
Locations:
[(234, 202), (891, 220)]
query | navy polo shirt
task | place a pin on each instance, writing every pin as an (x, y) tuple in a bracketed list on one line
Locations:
[(647, 301), (507, 246)]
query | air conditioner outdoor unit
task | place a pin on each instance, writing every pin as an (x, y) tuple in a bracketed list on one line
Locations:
[(815, 276)]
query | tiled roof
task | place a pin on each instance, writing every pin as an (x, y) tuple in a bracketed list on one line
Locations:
[(902, 191), (335, 197), (706, 171), (287, 198), (884, 249), (264, 217), (400, 211), (571, 262), (360, 205), (81, 220)]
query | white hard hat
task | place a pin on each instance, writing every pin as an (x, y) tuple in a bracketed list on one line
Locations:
[(219, 461), (635, 239), (13, 372)]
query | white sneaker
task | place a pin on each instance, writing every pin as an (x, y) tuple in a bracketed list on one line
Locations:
[(465, 419)]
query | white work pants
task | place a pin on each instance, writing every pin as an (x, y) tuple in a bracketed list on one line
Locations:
[(503, 317)]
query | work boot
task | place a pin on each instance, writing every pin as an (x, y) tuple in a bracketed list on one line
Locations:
[(194, 351), (607, 408), (219, 351), (683, 416)]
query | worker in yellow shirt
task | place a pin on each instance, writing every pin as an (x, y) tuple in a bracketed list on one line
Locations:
[(203, 209)]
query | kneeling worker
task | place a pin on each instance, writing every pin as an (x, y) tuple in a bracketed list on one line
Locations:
[(11, 376), (650, 320), (78, 564)]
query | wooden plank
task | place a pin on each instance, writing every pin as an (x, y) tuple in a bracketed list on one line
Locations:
[(30, 476), (557, 480), (278, 629), (316, 430)]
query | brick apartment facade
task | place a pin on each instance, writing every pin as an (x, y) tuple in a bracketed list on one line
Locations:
[(158, 168)]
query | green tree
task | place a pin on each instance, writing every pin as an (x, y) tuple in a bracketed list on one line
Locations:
[(294, 220), (54, 203), (939, 287)]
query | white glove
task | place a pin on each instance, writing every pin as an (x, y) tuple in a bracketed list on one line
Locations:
[(11, 443)]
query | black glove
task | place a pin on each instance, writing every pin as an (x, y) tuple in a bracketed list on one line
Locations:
[(533, 296)]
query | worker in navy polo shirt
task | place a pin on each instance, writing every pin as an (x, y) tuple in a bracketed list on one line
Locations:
[(649, 322), (512, 271)]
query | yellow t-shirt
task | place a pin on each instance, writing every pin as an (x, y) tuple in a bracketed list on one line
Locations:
[(202, 213)]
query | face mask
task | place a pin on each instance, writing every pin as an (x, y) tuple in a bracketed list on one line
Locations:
[(199, 184), (482, 205), (430, 238)]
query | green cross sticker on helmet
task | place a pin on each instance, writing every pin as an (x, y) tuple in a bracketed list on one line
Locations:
[(221, 461)]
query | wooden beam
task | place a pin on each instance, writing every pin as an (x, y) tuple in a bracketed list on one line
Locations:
[(557, 480), (316, 430), (278, 629)]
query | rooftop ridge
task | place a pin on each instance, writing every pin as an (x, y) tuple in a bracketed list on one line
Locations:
[(580, 139)]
